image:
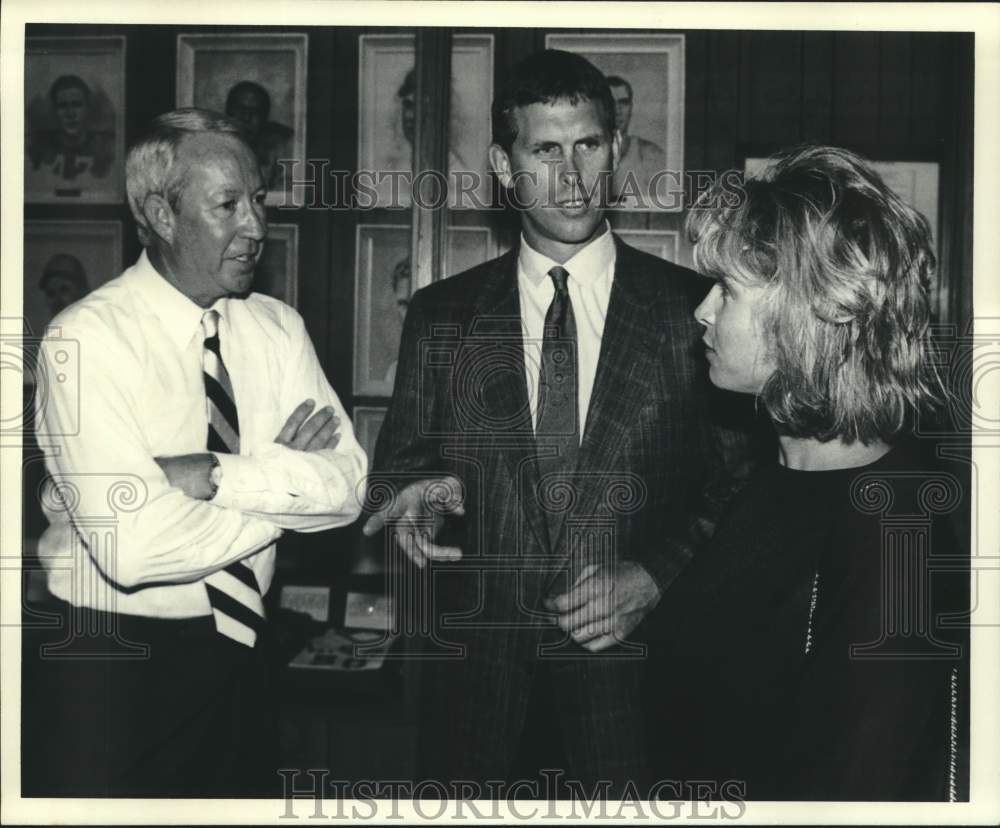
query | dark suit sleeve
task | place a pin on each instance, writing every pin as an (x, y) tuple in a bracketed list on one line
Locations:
[(728, 452), (728, 439)]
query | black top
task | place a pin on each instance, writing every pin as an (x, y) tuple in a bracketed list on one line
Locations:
[(807, 650)]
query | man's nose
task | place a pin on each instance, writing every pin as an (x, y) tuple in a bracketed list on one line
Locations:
[(570, 171), (255, 222)]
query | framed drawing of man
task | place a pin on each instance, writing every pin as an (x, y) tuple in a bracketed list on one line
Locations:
[(646, 76), (74, 142), (277, 270), (387, 120), (382, 289), (467, 247), (63, 262), (260, 80)]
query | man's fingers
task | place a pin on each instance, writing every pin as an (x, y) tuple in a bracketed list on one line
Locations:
[(423, 499), (585, 588), (595, 611), (420, 549), (444, 496), (436, 552), (595, 645), (585, 573), (409, 540), (321, 439), (375, 523), (311, 428), (406, 503), (395, 510), (294, 421), (413, 539)]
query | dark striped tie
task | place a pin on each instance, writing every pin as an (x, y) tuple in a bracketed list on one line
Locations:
[(233, 591), (558, 416)]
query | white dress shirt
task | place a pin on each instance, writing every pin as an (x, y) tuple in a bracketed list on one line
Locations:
[(124, 385), (591, 273)]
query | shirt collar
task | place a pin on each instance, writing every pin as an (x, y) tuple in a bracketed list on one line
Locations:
[(585, 266), (180, 316)]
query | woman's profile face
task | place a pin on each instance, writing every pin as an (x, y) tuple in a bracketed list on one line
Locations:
[(735, 345)]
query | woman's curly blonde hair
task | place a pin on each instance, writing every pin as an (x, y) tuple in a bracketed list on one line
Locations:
[(848, 266)]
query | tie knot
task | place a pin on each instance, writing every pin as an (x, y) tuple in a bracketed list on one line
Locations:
[(560, 276), (210, 323)]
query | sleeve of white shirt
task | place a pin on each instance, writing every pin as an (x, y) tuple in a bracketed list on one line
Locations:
[(137, 528), (307, 491)]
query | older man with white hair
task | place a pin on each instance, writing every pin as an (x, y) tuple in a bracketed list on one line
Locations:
[(207, 405)]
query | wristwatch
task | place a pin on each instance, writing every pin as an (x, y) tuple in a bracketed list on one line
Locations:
[(214, 475)]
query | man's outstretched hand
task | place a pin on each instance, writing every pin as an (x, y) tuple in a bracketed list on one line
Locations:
[(303, 432), (422, 501)]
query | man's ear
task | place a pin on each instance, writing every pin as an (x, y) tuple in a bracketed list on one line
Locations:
[(616, 149), (500, 162), (160, 216)]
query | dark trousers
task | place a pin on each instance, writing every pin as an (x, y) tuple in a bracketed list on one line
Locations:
[(549, 727), (116, 705), (575, 743)]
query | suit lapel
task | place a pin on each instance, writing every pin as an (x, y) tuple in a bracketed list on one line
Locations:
[(626, 370), (496, 321)]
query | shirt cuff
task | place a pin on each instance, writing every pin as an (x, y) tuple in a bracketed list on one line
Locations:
[(240, 474)]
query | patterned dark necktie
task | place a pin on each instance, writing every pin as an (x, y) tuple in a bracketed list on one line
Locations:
[(233, 591), (557, 425)]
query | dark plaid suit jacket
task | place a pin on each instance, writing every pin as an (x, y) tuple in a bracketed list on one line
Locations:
[(652, 474)]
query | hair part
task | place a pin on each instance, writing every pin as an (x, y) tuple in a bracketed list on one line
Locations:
[(150, 165), (546, 77), (847, 265)]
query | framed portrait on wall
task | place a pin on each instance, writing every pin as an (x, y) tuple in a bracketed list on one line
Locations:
[(466, 247), (260, 80), (662, 243), (382, 289), (367, 422), (74, 120), (387, 117), (277, 270), (63, 262), (646, 76)]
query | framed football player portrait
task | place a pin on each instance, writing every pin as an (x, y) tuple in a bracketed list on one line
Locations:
[(74, 120)]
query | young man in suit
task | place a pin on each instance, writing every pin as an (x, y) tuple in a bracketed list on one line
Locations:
[(552, 400)]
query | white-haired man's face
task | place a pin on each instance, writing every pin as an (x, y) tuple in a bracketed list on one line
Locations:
[(211, 243)]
